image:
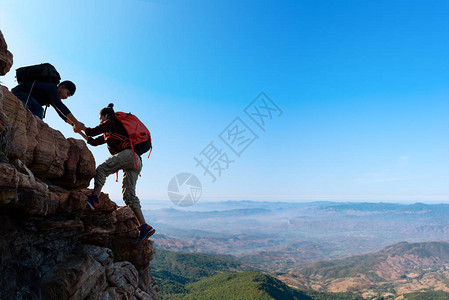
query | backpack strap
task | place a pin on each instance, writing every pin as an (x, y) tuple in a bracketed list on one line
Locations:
[(134, 154), (45, 111), (29, 94)]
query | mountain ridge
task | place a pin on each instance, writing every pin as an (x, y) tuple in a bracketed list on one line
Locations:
[(397, 269)]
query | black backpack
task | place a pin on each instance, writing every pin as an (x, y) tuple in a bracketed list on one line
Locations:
[(43, 72)]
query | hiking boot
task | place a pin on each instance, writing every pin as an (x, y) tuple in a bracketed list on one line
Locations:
[(92, 201), (145, 231)]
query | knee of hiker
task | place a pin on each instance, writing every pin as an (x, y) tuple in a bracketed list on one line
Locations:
[(108, 167), (132, 201), (100, 175)]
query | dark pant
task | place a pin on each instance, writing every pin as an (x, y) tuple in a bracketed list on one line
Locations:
[(29, 102)]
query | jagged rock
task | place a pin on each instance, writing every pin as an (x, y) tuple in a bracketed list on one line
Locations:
[(15, 126), (76, 277), (32, 203), (77, 166), (101, 220), (21, 167), (92, 273), (110, 293), (124, 276), (82, 274), (8, 176), (24, 192), (103, 255), (28, 253), (47, 234), (45, 151), (50, 153), (6, 58), (2, 115), (141, 295), (116, 230)]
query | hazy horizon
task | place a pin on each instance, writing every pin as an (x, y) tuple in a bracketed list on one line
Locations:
[(167, 204), (280, 235)]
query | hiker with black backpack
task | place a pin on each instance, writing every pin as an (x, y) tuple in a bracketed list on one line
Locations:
[(39, 86), (127, 139)]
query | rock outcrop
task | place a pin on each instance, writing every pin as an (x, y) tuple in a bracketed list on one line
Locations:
[(45, 151), (53, 246), (5, 56)]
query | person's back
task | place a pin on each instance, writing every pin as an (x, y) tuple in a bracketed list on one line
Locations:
[(35, 94)]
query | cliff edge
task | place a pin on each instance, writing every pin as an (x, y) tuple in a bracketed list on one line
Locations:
[(53, 246)]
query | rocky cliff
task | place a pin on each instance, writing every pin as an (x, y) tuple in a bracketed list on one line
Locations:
[(52, 245)]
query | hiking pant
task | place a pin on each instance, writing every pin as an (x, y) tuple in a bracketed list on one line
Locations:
[(123, 160), (29, 102)]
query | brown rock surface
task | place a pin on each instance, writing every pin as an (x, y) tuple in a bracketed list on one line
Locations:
[(45, 151), (55, 245), (6, 59), (91, 273), (76, 277)]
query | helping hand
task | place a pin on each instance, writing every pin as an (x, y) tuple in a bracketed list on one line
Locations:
[(78, 127)]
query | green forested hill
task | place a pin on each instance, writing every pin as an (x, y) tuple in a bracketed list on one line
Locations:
[(251, 285), (208, 276), (248, 285), (174, 270), (196, 265), (429, 295)]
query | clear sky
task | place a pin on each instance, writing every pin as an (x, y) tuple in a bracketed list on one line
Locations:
[(359, 90)]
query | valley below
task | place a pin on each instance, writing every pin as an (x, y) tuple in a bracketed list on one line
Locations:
[(369, 249)]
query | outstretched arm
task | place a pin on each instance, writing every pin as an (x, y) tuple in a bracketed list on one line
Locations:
[(77, 125), (105, 126), (96, 141)]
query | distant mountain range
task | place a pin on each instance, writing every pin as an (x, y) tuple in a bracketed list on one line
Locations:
[(277, 236), (398, 269)]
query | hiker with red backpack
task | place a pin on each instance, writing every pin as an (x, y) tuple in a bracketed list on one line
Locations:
[(127, 139)]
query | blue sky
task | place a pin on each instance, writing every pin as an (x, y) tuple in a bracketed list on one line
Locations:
[(363, 87)]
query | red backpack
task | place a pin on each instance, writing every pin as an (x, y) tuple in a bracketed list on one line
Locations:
[(138, 134)]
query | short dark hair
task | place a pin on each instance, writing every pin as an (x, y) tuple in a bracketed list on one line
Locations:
[(69, 85)]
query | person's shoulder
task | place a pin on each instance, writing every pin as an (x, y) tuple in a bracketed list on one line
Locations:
[(45, 85)]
